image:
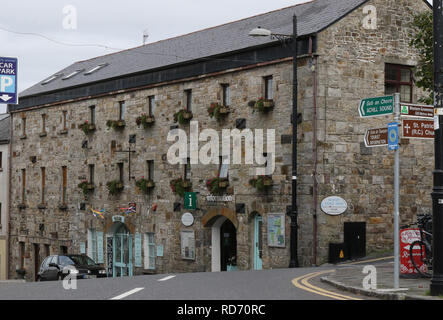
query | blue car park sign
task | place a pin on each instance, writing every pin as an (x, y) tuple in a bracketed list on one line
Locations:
[(393, 136), (8, 80)]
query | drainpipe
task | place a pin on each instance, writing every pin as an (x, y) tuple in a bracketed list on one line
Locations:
[(314, 151), (8, 188)]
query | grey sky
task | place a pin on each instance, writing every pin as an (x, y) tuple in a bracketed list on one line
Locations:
[(111, 23)]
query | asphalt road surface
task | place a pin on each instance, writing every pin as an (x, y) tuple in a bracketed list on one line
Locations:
[(277, 284)]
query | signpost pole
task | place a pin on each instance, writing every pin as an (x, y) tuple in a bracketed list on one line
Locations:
[(437, 191), (396, 199)]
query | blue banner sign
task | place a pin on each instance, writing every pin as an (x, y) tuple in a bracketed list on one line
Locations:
[(8, 80)]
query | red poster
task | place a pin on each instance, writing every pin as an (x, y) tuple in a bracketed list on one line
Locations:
[(407, 236)]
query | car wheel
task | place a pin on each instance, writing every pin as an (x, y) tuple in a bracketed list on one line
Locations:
[(39, 279)]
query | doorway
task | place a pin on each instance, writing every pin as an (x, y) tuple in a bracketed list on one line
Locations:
[(228, 246), (355, 239), (122, 252), (36, 260), (258, 242)]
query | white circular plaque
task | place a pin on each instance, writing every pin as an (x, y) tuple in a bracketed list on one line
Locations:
[(334, 206), (187, 219)]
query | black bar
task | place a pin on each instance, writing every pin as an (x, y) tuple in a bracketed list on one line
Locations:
[(294, 227), (437, 194)]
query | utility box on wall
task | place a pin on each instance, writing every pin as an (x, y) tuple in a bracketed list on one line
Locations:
[(338, 252)]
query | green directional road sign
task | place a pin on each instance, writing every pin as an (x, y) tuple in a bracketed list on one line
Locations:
[(190, 200), (374, 107)]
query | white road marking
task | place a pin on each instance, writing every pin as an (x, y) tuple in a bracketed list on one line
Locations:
[(167, 278), (124, 295)]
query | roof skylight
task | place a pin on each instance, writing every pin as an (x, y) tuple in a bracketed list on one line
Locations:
[(95, 69), (76, 72), (50, 79)]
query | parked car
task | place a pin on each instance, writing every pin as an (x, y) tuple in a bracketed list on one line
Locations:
[(80, 264)]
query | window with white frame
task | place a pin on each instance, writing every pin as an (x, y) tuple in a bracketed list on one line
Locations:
[(149, 248), (92, 244)]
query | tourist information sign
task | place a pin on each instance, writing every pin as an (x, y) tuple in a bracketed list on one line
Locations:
[(374, 107), (417, 110), (376, 137)]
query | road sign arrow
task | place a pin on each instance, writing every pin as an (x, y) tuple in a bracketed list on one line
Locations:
[(375, 107), (5, 97)]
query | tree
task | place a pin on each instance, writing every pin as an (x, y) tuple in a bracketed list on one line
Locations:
[(423, 40)]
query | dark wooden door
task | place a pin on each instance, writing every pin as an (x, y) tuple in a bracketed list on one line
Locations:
[(228, 252), (355, 239), (36, 260)]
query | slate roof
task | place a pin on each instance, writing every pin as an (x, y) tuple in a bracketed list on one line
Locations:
[(312, 16), (4, 128)]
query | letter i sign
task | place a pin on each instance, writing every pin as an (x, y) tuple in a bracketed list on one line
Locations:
[(190, 200)]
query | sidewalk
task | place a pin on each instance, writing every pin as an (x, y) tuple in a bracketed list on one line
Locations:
[(350, 278)]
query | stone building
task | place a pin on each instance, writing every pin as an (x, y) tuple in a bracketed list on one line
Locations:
[(81, 127), (4, 192)]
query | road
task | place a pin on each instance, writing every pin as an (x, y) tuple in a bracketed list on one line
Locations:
[(277, 284)]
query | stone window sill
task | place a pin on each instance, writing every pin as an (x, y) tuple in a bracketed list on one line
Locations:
[(41, 206), (63, 207), (43, 134), (23, 137), (64, 131)]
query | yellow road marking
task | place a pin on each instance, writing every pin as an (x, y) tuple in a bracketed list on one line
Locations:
[(305, 285), (366, 261)]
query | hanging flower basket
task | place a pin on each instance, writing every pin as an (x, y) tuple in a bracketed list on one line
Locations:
[(262, 104), (145, 120), (216, 110), (87, 127), (217, 185), (86, 187), (261, 183), (144, 184), (180, 186), (115, 187), (183, 116), (116, 124)]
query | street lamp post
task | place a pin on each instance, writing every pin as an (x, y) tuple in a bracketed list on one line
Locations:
[(437, 192), (260, 32)]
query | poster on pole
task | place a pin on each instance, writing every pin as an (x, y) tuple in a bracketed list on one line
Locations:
[(276, 230), (188, 245)]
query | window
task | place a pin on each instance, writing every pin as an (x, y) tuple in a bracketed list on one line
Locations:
[(150, 167), (91, 173), (72, 74), (65, 120), (21, 246), (24, 127), (151, 105), (50, 79), (43, 185), (47, 251), (43, 123), (95, 69), (120, 171), (226, 95), (269, 91), (188, 96), (398, 79), (92, 244), (63, 250), (187, 169), (223, 168), (121, 110), (92, 114), (64, 183), (149, 251), (23, 185), (1, 161)]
